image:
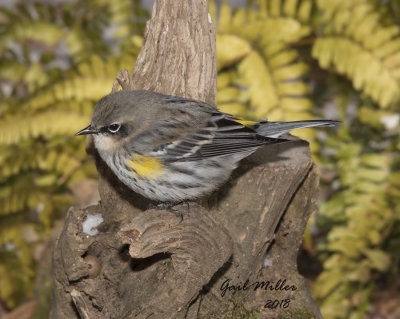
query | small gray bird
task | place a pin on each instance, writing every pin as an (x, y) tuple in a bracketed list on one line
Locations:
[(172, 149)]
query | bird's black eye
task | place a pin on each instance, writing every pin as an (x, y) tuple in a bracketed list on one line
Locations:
[(114, 128)]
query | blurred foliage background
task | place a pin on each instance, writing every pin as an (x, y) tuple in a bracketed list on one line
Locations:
[(277, 59)]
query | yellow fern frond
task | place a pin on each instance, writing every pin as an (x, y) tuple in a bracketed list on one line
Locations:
[(329, 8), (267, 69), (270, 78), (359, 46), (77, 92), (45, 124), (275, 85), (121, 13), (75, 40), (40, 31), (230, 49), (11, 71)]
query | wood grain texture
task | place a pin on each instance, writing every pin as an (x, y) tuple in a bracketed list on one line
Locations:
[(178, 54)]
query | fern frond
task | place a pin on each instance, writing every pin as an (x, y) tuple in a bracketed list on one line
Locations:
[(238, 49), (15, 194), (274, 84), (359, 46), (362, 216), (79, 92), (267, 68), (11, 70), (48, 124), (44, 102), (43, 159), (270, 79), (40, 31), (29, 192), (120, 16), (261, 26)]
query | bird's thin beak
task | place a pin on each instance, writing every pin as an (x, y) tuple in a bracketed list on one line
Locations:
[(87, 130)]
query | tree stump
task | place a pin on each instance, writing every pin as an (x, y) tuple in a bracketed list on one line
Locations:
[(233, 254)]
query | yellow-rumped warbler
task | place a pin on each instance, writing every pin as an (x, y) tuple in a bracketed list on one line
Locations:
[(172, 149)]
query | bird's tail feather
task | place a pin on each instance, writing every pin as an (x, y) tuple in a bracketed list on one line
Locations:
[(276, 129)]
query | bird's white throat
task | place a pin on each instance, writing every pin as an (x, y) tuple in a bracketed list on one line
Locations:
[(104, 143)]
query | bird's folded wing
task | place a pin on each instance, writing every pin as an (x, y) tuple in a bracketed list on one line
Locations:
[(221, 136)]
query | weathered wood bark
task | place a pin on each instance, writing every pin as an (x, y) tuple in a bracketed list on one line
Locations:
[(149, 263)]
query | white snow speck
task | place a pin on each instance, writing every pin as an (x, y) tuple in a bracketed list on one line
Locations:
[(9, 246), (267, 261), (390, 121), (39, 208), (209, 18), (90, 224)]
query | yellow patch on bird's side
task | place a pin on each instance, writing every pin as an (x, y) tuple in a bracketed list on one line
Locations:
[(250, 124), (146, 166)]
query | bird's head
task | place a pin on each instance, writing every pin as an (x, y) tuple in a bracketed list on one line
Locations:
[(116, 118)]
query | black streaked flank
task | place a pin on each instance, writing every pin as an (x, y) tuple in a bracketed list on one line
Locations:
[(188, 186)]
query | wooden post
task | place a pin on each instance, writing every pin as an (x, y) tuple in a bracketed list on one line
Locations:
[(147, 263)]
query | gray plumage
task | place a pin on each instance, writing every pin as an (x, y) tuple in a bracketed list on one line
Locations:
[(170, 148)]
